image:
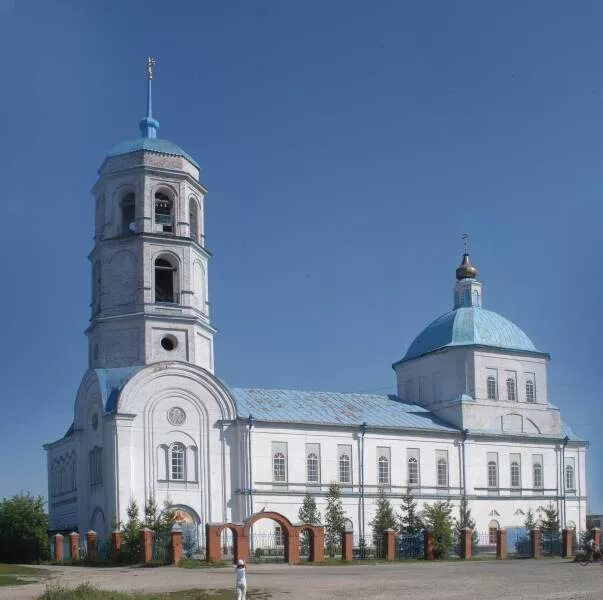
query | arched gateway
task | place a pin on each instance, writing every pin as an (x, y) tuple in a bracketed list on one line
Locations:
[(240, 535)]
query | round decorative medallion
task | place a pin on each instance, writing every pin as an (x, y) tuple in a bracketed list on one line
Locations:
[(176, 416), (95, 421)]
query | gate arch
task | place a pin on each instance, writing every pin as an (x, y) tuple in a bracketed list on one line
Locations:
[(240, 532)]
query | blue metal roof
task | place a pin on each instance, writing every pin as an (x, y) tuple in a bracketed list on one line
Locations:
[(111, 381), (333, 408), (470, 326), (150, 144)]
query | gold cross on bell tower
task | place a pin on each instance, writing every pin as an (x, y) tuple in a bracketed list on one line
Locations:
[(150, 62)]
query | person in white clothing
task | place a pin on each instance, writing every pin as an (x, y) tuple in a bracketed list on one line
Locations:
[(241, 580)]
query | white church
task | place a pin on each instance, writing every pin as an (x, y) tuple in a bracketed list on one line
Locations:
[(151, 419)]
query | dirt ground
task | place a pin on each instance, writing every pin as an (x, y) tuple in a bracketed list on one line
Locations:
[(547, 579)]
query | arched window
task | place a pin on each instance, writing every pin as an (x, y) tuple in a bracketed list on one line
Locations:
[(442, 472), (383, 474), (177, 462), (164, 217), (193, 220), (345, 471), (128, 215), (413, 471), (491, 385), (515, 474), (475, 298), (530, 392), (570, 483), (279, 470), (537, 475), (492, 474), (96, 287), (312, 468), (511, 396), (165, 281), (467, 298)]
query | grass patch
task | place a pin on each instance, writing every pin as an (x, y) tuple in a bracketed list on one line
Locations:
[(16, 575), (185, 563), (88, 592)]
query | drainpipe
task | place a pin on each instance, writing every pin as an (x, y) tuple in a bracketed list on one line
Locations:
[(363, 428), (565, 441), (463, 468), (250, 424)]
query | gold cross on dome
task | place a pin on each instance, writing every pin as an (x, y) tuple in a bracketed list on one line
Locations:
[(150, 62)]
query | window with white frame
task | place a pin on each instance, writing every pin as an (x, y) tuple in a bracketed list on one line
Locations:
[(511, 394), (442, 468), (570, 474), (515, 470), (412, 477), (177, 461), (313, 463), (492, 470), (530, 391), (344, 453), (537, 474), (491, 385), (164, 209), (279, 462), (383, 466)]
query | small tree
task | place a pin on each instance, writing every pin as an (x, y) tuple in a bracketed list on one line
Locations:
[(530, 520), (409, 519), (438, 518), (550, 521), (23, 529), (308, 513), (384, 518), (465, 520), (130, 533), (334, 519)]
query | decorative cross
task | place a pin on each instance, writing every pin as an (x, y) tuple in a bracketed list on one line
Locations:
[(465, 238), (150, 62)]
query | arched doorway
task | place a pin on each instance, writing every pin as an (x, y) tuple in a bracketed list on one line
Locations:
[(269, 536), (188, 521)]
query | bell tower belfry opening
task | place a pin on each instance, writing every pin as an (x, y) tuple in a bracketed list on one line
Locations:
[(149, 261)]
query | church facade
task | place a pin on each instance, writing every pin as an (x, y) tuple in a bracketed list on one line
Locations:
[(471, 415)]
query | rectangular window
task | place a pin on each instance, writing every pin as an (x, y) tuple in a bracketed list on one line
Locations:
[(530, 387), (491, 384), (442, 468), (537, 472), (279, 462), (313, 463), (383, 465), (344, 458), (492, 458), (515, 471), (413, 467), (570, 474), (511, 385)]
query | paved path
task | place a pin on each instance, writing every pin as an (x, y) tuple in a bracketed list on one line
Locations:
[(547, 579)]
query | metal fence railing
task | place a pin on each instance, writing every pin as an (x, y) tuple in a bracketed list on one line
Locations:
[(550, 544), (410, 546), (483, 544), (266, 547), (367, 548), (162, 548)]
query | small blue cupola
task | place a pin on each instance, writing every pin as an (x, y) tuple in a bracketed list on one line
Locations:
[(467, 291)]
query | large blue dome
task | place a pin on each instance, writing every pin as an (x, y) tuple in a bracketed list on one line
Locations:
[(150, 144), (467, 326)]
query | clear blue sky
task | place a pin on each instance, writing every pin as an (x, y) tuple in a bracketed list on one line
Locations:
[(346, 146)]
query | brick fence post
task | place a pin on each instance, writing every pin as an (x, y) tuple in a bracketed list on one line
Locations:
[(536, 542), (596, 535), (389, 544), (146, 545), (466, 543), (501, 544), (212, 542), (241, 546), (292, 545), (74, 545), (115, 543), (58, 547), (567, 539), (346, 545), (91, 545), (428, 544), (317, 553), (176, 544)]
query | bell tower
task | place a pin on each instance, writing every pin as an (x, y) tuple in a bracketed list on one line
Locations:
[(149, 261)]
